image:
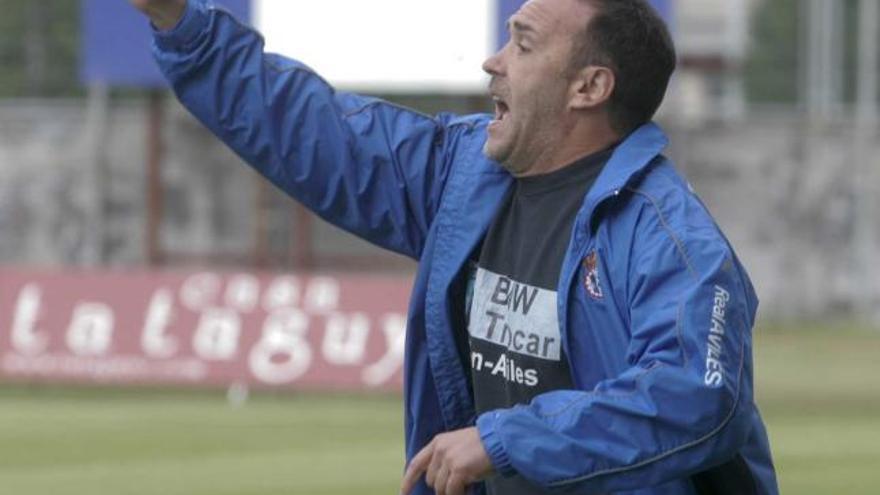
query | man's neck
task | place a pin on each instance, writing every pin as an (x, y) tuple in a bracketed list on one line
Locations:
[(582, 140)]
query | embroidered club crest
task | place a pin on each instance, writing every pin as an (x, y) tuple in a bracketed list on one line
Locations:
[(591, 275)]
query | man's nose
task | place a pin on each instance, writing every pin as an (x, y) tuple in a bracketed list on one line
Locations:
[(492, 65)]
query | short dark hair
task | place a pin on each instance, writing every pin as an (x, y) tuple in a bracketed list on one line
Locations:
[(630, 38)]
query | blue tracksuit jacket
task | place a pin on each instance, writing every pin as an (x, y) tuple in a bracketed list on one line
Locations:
[(656, 325)]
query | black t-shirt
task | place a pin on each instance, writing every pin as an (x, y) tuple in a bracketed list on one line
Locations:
[(515, 347)]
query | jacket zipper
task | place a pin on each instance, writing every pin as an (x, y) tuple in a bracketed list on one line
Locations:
[(562, 308)]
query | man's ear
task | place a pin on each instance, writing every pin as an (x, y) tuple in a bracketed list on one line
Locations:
[(592, 87)]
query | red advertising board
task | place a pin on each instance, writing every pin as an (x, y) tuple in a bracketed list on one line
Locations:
[(340, 332)]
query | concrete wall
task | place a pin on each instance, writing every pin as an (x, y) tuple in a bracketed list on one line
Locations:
[(783, 192)]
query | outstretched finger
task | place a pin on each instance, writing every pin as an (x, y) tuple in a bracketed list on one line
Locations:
[(416, 468)]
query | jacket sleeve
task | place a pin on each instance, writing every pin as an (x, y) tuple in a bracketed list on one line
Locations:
[(684, 403), (372, 168)]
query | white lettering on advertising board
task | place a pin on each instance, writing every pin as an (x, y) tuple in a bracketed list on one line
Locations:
[(204, 320)]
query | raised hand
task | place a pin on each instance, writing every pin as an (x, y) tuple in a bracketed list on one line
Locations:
[(163, 13)]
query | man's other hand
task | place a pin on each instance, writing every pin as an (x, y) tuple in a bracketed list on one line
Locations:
[(163, 13), (450, 463)]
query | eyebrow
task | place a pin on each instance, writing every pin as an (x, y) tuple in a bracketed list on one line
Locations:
[(515, 25)]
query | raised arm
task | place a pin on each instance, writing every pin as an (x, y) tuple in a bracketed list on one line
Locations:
[(370, 167)]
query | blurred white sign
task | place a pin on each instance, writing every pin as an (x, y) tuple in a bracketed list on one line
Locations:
[(708, 28), (414, 46)]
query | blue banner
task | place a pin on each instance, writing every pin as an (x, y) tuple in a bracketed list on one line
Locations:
[(115, 43)]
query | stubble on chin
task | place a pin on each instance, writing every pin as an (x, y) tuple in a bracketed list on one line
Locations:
[(495, 155), (502, 161)]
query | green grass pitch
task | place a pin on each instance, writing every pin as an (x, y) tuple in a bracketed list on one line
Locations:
[(819, 392)]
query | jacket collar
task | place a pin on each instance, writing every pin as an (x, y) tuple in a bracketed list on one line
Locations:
[(628, 161)]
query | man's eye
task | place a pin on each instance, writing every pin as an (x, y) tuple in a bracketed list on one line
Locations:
[(522, 48)]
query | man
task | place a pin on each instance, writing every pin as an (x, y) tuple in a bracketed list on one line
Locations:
[(578, 322)]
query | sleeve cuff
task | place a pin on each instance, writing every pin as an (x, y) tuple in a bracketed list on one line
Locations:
[(486, 425), (193, 22)]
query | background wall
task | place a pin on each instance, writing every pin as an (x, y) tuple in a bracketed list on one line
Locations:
[(784, 192)]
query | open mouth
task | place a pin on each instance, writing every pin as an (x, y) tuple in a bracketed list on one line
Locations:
[(501, 108)]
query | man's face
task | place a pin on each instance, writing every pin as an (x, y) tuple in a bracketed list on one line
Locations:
[(531, 82)]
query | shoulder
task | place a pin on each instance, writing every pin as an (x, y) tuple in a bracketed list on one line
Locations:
[(663, 191), (665, 216)]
